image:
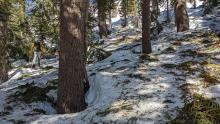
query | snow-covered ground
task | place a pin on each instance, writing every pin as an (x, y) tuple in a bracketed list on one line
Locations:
[(126, 87)]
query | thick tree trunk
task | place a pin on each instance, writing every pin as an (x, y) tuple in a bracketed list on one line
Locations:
[(3, 49), (3, 70), (86, 80), (3, 57), (182, 19), (72, 72), (146, 43)]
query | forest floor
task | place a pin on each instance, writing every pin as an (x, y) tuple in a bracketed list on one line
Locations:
[(128, 87)]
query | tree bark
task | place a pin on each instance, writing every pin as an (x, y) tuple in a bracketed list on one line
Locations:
[(86, 80), (136, 14), (3, 44), (146, 43), (126, 13), (72, 72), (194, 4), (155, 13), (110, 19), (168, 11), (3, 53), (182, 19), (103, 28)]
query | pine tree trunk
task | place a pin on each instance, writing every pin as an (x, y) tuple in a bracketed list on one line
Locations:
[(86, 80), (136, 15), (154, 14), (110, 19), (194, 4), (103, 28), (158, 8), (72, 70), (168, 11), (126, 13), (182, 19), (3, 55), (146, 43), (3, 48)]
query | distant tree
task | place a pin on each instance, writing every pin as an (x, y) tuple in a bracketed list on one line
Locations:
[(146, 43), (155, 10), (111, 6), (133, 10), (181, 16), (124, 12), (168, 10), (72, 72), (102, 16), (209, 4), (194, 4), (17, 26), (44, 20)]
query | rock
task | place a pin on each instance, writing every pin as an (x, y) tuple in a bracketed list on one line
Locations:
[(18, 63), (97, 54)]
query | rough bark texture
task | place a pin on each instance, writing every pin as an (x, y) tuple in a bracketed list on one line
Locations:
[(182, 19), (72, 72), (86, 85), (103, 28), (3, 47), (3, 56), (146, 43)]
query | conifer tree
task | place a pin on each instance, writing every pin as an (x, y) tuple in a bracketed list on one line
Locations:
[(102, 16), (4, 37), (146, 43), (72, 72)]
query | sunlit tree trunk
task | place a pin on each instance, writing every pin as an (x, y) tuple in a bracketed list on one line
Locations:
[(146, 43), (136, 15), (181, 15), (72, 72)]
